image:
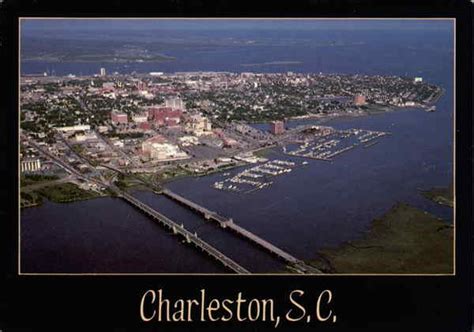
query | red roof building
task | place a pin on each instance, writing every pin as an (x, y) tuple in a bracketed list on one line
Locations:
[(277, 127), (144, 126), (359, 100), (119, 117), (165, 115)]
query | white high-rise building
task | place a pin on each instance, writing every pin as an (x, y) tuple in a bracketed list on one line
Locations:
[(175, 103), (102, 71)]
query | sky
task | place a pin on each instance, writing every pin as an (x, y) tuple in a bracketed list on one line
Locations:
[(45, 25)]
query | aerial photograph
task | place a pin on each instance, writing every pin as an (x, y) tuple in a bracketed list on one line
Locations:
[(236, 146)]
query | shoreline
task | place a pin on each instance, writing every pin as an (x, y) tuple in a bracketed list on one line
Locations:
[(440, 195), (392, 244), (266, 149), (63, 193)]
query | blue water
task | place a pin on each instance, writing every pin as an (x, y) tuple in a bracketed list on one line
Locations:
[(102, 235), (318, 205)]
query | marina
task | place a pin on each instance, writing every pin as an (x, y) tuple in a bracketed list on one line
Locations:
[(313, 142), (333, 143), (256, 177)]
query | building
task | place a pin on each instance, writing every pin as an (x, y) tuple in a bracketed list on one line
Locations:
[(30, 165), (277, 127), (109, 86), (103, 129), (165, 115), (85, 136), (418, 80), (188, 140), (176, 103), (118, 118), (139, 118), (141, 85), (102, 71), (144, 126), (359, 100), (159, 148), (198, 124), (74, 128)]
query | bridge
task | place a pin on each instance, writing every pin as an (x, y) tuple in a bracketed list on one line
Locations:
[(224, 222), (180, 230), (297, 265), (208, 214)]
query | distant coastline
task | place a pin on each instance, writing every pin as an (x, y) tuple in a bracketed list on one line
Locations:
[(271, 63), (99, 58)]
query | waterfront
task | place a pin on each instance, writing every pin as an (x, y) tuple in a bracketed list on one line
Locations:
[(304, 204), (319, 205)]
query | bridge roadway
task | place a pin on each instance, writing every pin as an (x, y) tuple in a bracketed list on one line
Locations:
[(228, 223), (190, 237), (300, 266)]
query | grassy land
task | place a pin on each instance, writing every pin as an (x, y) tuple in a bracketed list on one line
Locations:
[(60, 193), (405, 240), (263, 153), (376, 109), (29, 199), (443, 196), (138, 180), (172, 174), (30, 179)]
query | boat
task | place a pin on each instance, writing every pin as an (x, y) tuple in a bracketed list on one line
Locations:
[(431, 109)]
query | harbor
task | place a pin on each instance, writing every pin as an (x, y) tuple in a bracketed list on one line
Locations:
[(256, 177), (332, 143)]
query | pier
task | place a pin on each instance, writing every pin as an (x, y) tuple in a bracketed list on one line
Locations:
[(180, 230), (228, 223)]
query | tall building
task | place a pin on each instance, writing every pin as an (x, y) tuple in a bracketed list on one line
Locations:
[(165, 115), (359, 100), (102, 71), (141, 85), (176, 103), (277, 127)]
